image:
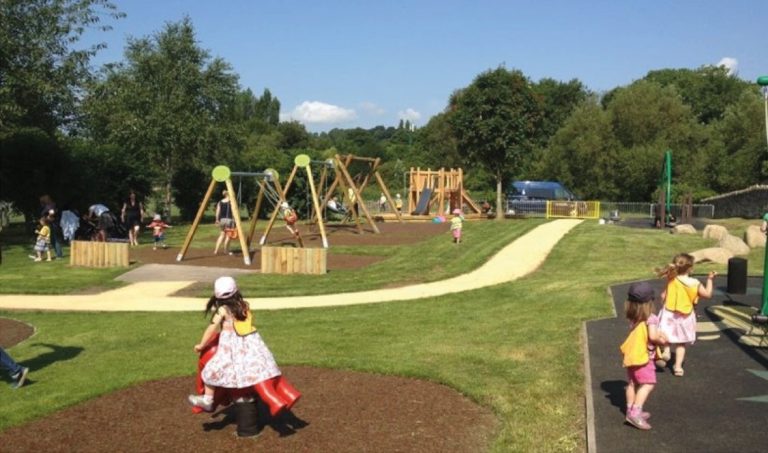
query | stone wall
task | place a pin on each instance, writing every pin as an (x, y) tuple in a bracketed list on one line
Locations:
[(749, 203)]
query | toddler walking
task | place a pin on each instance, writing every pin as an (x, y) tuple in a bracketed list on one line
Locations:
[(638, 350), (242, 359), (43, 242), (677, 319), (158, 231), (457, 221)]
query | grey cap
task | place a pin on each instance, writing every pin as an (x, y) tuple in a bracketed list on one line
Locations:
[(641, 292)]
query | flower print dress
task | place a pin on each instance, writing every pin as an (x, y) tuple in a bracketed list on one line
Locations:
[(240, 361)]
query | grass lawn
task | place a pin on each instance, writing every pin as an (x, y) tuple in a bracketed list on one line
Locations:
[(513, 347)]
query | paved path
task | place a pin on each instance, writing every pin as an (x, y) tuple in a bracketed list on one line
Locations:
[(516, 260), (720, 405)]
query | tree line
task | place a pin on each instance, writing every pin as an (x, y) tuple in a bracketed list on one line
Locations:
[(158, 120)]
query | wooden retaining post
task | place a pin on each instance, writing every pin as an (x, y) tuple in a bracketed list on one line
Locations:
[(293, 260), (98, 254)]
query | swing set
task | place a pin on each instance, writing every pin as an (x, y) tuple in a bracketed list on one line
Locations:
[(269, 189), (352, 188)]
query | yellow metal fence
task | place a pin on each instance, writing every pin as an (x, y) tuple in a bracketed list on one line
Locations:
[(573, 209)]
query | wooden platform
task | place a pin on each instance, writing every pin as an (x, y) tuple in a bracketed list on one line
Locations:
[(98, 254), (293, 260)]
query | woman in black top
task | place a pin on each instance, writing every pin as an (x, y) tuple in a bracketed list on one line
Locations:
[(226, 222), (132, 216)]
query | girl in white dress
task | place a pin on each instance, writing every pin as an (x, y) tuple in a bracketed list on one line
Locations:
[(242, 359)]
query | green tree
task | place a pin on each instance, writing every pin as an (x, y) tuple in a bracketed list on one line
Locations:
[(31, 164), (739, 158), (169, 101), (583, 155), (496, 120), (708, 90), (558, 100), (41, 74), (436, 145)]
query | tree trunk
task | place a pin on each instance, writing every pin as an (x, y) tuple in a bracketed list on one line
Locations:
[(500, 210), (168, 177)]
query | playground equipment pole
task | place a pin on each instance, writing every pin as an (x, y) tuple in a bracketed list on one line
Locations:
[(763, 82), (668, 177)]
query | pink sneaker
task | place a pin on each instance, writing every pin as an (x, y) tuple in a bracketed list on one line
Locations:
[(638, 422)]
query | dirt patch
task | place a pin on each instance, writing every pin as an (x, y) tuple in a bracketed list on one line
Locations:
[(338, 235), (341, 411), (13, 332)]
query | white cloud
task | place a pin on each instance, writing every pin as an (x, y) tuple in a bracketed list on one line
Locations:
[(372, 108), (731, 64), (315, 112), (409, 114)]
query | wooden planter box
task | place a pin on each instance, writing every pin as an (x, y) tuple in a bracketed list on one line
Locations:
[(293, 260), (98, 254)]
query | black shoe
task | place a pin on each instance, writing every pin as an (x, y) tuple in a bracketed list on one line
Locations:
[(20, 378)]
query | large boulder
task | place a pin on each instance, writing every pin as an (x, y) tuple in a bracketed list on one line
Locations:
[(713, 254), (715, 232), (684, 228), (754, 237), (734, 244)]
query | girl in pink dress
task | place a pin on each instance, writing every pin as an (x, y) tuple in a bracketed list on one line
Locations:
[(677, 319), (242, 359)]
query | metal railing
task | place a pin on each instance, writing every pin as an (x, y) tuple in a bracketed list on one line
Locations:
[(607, 209), (588, 209)]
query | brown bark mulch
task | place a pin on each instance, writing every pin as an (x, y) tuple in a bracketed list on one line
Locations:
[(337, 234), (340, 411)]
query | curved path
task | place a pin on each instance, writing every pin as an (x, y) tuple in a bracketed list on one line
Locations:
[(516, 260)]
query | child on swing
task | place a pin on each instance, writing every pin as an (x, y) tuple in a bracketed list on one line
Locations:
[(242, 359), (290, 217), (639, 351)]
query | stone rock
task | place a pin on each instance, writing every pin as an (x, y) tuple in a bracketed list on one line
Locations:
[(684, 228), (754, 237), (734, 244), (715, 232), (713, 254)]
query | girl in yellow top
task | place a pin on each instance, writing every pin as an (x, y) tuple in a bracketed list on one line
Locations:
[(43, 242), (639, 351), (677, 319), (457, 221)]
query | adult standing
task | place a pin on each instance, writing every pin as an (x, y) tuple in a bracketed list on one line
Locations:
[(49, 210), (132, 216), (100, 215), (226, 222), (382, 203)]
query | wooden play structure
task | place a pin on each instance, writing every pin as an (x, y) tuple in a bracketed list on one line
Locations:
[(352, 188), (302, 161), (219, 174), (293, 260), (98, 254), (438, 192), (269, 189)]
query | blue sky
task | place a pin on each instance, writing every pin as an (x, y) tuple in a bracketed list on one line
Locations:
[(367, 63)]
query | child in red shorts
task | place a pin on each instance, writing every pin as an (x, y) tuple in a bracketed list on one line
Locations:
[(639, 351)]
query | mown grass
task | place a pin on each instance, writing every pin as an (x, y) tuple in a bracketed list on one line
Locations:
[(513, 347)]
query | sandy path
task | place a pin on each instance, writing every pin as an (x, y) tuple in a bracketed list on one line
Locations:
[(516, 260)]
